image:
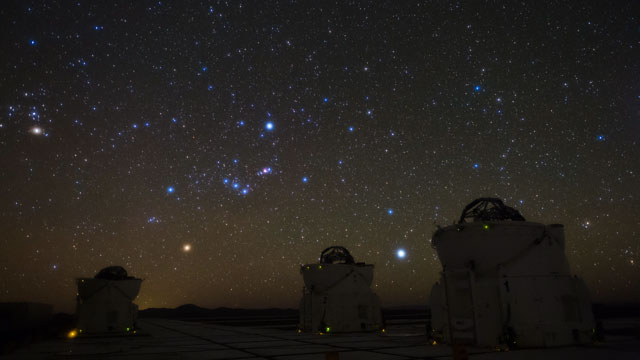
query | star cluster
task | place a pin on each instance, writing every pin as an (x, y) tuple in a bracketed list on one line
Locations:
[(213, 147)]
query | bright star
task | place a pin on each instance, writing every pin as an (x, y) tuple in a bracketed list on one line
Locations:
[(476, 165), (186, 247), (269, 126), (351, 129), (36, 130), (171, 189), (32, 42), (477, 88), (305, 179), (326, 99), (401, 254), (390, 211)]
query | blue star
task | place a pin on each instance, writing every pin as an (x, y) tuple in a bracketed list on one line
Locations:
[(225, 181), (476, 165), (235, 185), (269, 125), (351, 129), (147, 124), (32, 42), (135, 126), (600, 138), (326, 99), (390, 211), (241, 123), (477, 88), (170, 189), (210, 87), (401, 254), (174, 120), (305, 179), (204, 68), (245, 191)]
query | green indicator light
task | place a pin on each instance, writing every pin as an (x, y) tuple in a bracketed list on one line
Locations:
[(127, 329), (328, 329), (485, 226)]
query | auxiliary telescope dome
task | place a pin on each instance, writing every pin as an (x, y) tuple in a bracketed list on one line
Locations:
[(105, 302), (337, 296), (506, 281)]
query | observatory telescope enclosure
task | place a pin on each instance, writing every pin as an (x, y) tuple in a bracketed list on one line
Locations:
[(337, 296), (506, 281), (105, 302)]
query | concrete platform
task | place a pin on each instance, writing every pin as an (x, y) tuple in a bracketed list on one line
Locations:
[(173, 339)]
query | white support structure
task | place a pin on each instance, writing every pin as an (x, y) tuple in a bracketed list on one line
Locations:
[(337, 296), (507, 282), (105, 304)]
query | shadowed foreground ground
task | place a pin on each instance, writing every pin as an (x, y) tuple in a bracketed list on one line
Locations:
[(204, 339)]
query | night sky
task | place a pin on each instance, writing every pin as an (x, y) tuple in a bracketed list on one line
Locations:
[(213, 147)]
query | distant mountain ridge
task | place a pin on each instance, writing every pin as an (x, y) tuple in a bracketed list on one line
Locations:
[(191, 310), (600, 310)]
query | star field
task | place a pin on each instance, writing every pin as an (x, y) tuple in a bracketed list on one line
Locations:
[(213, 147)]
